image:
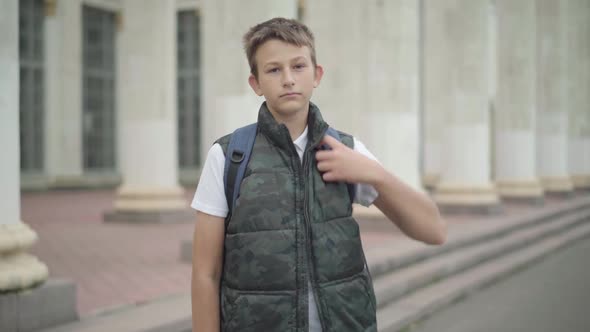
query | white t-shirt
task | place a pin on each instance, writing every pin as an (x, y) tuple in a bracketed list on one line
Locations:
[(210, 196)]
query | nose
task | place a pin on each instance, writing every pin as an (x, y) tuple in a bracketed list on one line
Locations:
[(288, 79)]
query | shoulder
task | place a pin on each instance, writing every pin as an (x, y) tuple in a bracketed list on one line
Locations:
[(360, 147), (346, 138), (224, 142), (215, 158), (242, 132), (355, 144)]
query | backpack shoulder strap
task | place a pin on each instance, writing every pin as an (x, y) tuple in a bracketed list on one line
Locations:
[(236, 160), (351, 186)]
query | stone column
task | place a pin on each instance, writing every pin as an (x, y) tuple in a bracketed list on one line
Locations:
[(552, 101), (28, 301), (390, 111), (578, 91), (63, 92), (515, 107), (465, 174), (434, 54), (342, 49), (18, 270), (228, 102), (147, 102)]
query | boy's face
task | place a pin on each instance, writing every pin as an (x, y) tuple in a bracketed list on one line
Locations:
[(286, 77)]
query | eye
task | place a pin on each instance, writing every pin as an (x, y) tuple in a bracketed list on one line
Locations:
[(273, 70), (300, 66)]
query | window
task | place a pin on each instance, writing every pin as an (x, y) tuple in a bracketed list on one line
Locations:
[(98, 79), (188, 85), (31, 97)]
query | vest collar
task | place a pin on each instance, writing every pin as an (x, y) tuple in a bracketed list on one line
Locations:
[(279, 134)]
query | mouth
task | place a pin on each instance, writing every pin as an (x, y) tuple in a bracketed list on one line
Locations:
[(290, 94)]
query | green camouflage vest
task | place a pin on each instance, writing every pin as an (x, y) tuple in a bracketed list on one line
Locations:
[(289, 225)]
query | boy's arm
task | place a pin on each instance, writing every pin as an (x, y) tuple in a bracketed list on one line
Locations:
[(207, 265), (413, 212)]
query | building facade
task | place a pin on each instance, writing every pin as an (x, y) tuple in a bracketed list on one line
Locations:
[(474, 98)]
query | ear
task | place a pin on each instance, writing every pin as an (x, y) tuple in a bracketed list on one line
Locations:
[(254, 85), (319, 72)]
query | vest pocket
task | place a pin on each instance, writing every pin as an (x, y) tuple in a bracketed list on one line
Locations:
[(260, 260), (257, 310), (337, 249), (348, 304)]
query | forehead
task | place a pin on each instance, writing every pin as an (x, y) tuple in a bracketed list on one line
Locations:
[(279, 51)]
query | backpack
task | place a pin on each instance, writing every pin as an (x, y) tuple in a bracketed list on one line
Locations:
[(238, 155)]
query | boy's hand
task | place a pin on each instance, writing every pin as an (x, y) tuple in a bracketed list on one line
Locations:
[(344, 164), (414, 212)]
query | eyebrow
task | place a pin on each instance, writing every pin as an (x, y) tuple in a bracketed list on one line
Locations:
[(274, 63)]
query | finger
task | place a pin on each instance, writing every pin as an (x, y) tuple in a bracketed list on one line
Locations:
[(323, 166), (329, 176), (323, 155), (331, 142)]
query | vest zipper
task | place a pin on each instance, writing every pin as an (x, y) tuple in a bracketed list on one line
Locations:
[(310, 270), (307, 221)]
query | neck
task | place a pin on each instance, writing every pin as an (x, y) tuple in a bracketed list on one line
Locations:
[(295, 122)]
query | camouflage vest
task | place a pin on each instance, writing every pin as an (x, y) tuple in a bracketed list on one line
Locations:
[(289, 225)]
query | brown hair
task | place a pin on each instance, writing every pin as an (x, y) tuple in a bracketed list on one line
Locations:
[(286, 30)]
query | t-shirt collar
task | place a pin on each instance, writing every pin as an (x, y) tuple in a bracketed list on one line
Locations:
[(301, 141)]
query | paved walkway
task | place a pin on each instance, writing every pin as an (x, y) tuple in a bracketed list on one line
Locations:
[(552, 295), (115, 264)]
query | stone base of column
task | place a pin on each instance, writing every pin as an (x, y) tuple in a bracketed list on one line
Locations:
[(557, 184), (429, 181), (455, 198), (581, 181), (27, 301), (102, 180), (150, 205), (521, 191), (19, 270), (86, 181), (49, 305)]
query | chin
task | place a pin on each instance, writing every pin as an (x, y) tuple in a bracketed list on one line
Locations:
[(290, 108)]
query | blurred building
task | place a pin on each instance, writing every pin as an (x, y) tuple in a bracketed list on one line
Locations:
[(476, 99)]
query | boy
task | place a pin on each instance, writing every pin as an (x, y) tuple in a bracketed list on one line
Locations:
[(288, 256)]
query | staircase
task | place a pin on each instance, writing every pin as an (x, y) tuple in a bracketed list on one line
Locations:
[(414, 284), (411, 280)]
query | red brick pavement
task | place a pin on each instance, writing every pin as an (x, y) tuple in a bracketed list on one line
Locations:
[(111, 263), (117, 264)]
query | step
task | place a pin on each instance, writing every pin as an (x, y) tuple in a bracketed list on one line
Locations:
[(403, 281), (171, 313), (404, 252), (424, 302)]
